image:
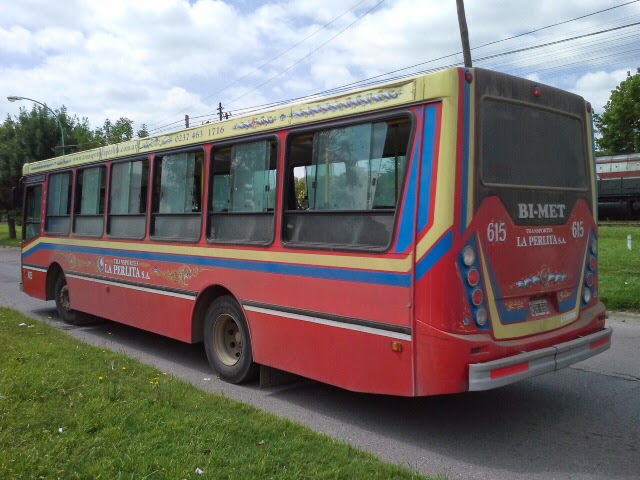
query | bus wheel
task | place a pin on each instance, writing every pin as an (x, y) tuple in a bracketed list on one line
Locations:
[(63, 301), (227, 341)]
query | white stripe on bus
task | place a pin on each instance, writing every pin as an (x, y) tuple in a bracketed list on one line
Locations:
[(134, 287), (331, 323)]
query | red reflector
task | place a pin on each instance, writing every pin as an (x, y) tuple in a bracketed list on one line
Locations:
[(599, 343), (590, 280), (592, 263), (536, 91), (477, 297), (473, 277), (468, 76), (506, 371)]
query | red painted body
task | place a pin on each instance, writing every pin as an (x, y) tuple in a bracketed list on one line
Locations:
[(157, 286)]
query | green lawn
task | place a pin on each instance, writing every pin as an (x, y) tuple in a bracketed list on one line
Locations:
[(619, 272), (4, 236), (70, 410)]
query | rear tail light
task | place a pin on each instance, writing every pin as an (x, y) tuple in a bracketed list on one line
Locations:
[(473, 277), (471, 273), (589, 291), (477, 297)]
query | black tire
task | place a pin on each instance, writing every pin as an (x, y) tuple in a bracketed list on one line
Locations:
[(67, 314), (227, 341)]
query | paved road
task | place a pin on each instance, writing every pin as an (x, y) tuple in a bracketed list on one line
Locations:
[(579, 423)]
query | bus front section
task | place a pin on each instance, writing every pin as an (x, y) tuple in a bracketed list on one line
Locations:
[(523, 297)]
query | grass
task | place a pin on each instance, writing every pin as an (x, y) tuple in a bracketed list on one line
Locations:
[(70, 410), (4, 236), (619, 268)]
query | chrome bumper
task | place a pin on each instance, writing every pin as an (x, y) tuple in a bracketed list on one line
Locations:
[(497, 373)]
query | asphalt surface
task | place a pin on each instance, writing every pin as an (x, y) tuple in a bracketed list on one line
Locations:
[(582, 422)]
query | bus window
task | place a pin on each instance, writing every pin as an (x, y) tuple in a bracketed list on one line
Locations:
[(511, 154), (344, 184), (89, 201), (128, 199), (177, 196), (32, 209), (59, 204), (243, 193)]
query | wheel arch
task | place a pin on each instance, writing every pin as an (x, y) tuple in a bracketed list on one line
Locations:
[(203, 302), (52, 274)]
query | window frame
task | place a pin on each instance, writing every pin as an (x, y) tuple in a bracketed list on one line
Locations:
[(157, 157), (209, 213), (75, 199), (406, 113), (481, 141), (70, 172), (27, 186), (108, 200)]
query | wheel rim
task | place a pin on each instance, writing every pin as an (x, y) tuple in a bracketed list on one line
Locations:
[(227, 340), (65, 303)]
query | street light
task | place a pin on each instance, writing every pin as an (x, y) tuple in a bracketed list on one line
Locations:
[(13, 98)]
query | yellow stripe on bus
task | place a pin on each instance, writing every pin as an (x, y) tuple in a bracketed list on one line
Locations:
[(402, 265)]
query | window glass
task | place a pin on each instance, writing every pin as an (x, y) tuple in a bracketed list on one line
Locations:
[(59, 201), (180, 177), (243, 195), (129, 182), (244, 178), (178, 196), (32, 212), (90, 191), (522, 145), (344, 184)]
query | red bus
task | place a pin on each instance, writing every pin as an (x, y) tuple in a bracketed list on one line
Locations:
[(429, 236)]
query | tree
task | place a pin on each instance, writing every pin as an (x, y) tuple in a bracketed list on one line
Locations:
[(142, 132), (619, 125), (120, 131), (35, 135)]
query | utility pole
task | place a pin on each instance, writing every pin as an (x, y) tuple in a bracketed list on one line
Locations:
[(220, 110), (186, 121), (464, 34)]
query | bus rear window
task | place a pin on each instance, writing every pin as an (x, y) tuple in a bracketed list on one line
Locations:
[(522, 145)]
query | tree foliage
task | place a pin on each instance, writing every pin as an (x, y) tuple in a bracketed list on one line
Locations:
[(35, 135), (619, 125)]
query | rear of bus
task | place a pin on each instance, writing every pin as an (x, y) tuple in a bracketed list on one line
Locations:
[(524, 299)]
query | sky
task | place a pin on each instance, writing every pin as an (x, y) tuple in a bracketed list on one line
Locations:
[(153, 61)]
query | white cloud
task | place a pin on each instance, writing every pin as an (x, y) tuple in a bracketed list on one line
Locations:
[(596, 87), (149, 59)]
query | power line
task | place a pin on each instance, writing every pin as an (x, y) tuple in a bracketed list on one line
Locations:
[(305, 57), (266, 63), (368, 81)]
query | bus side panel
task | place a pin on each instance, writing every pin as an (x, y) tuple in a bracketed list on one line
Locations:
[(34, 282), (354, 360), (154, 312)]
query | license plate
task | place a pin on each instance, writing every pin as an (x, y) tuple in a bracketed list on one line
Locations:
[(538, 307)]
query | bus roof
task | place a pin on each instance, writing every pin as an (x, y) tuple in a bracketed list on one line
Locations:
[(379, 97)]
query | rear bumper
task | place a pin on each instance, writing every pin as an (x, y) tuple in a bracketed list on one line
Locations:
[(497, 373)]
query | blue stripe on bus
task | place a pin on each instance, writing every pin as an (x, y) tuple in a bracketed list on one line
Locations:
[(434, 255), (373, 277), (430, 120), (465, 159), (408, 220)]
